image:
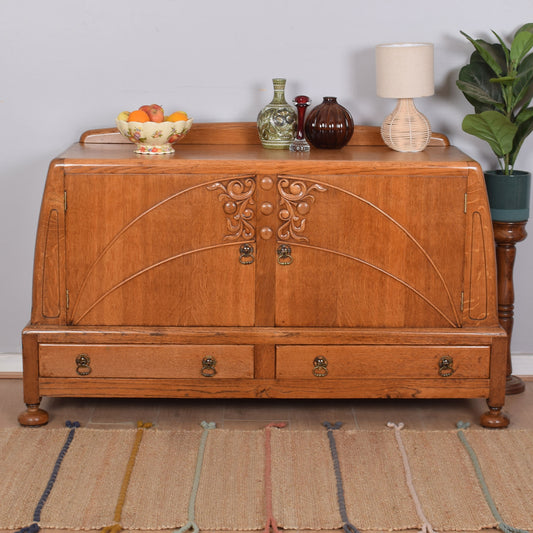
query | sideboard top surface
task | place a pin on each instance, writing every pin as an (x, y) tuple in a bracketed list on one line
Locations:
[(233, 143)]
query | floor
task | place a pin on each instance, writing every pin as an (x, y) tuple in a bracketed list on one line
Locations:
[(254, 414)]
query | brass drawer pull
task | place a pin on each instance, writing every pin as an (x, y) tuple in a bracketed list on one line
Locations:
[(83, 364), (208, 367), (446, 366), (284, 255), (247, 254), (320, 366)]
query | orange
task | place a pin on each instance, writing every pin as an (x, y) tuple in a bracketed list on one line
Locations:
[(177, 116), (138, 116)]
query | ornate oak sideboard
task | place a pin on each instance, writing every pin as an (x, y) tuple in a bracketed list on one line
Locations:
[(227, 270)]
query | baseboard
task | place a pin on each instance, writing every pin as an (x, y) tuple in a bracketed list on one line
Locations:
[(11, 364), (522, 364)]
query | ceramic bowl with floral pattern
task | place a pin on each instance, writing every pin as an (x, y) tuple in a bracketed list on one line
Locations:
[(154, 137)]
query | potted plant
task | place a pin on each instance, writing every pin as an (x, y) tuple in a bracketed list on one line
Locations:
[(498, 82)]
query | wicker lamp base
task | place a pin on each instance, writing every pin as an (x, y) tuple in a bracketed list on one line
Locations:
[(406, 129)]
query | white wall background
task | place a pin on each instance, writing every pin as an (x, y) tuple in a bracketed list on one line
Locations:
[(71, 65)]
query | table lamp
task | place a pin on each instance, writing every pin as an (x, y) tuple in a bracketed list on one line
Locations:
[(405, 71)]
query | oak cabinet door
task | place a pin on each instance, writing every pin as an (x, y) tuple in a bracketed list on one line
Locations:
[(371, 251), (159, 249)]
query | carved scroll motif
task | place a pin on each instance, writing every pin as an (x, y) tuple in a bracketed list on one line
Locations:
[(295, 200), (237, 196)]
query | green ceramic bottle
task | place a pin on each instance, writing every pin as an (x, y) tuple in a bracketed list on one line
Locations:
[(276, 122)]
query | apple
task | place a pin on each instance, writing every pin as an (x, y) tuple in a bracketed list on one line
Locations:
[(154, 111), (124, 115)]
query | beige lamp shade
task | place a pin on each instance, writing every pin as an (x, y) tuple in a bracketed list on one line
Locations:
[(404, 70)]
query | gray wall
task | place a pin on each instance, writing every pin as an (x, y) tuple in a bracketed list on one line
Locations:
[(67, 66)]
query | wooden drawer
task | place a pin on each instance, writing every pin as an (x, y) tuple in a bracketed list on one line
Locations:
[(302, 362), (145, 361)]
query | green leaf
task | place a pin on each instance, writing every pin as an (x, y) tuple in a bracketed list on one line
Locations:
[(494, 128), (474, 81), (525, 128), (498, 51), (487, 52), (477, 93), (524, 115), (506, 50), (524, 79), (521, 45), (526, 27)]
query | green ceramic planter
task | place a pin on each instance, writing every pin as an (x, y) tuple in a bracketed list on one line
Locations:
[(508, 195)]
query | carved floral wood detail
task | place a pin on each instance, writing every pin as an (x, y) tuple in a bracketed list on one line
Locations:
[(295, 200), (238, 198)]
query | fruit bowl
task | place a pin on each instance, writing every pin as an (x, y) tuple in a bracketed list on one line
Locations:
[(154, 137)]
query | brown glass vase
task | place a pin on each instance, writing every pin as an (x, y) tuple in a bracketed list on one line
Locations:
[(329, 125)]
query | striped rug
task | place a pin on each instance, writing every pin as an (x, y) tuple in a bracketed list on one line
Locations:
[(393, 479)]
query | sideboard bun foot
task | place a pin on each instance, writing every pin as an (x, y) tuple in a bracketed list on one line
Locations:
[(33, 416), (494, 418)]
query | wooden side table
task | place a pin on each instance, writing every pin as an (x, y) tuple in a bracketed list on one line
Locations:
[(506, 235)]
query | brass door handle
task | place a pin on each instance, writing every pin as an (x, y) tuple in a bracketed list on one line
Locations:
[(284, 255), (320, 366), (83, 364), (446, 366), (208, 367), (247, 254)]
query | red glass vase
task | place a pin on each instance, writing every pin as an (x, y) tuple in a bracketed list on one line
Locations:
[(329, 124)]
